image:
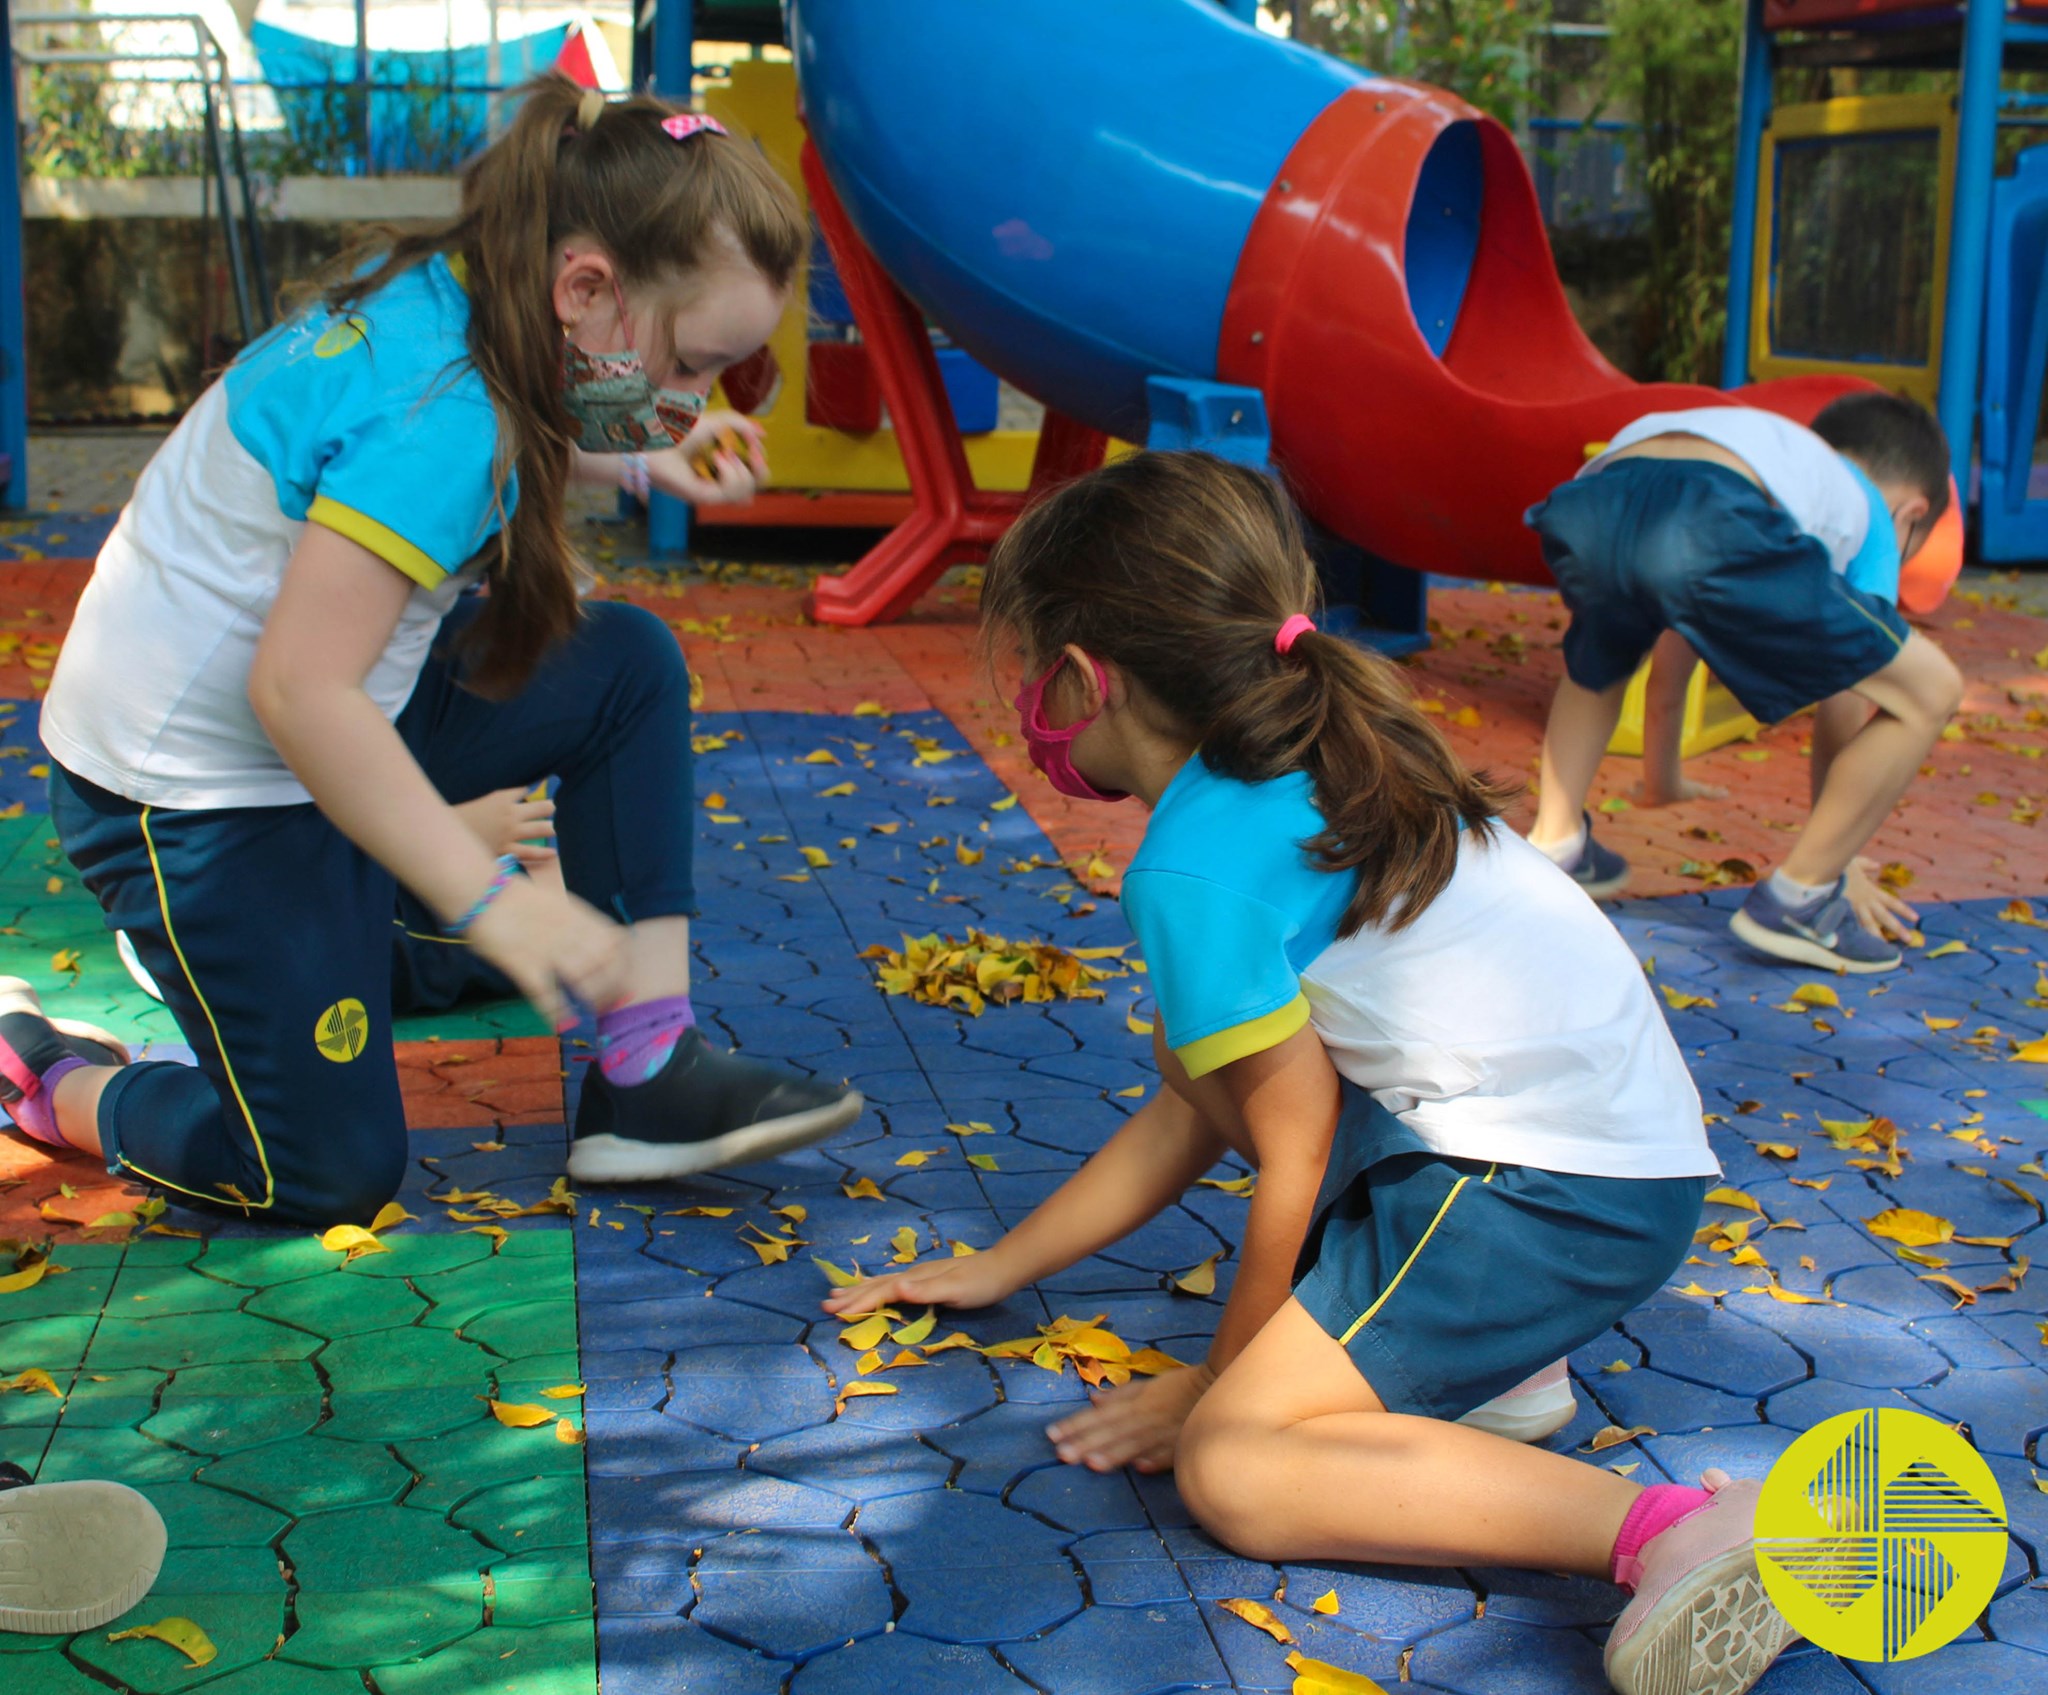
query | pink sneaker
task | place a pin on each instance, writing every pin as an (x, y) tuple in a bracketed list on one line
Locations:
[(1700, 1622)]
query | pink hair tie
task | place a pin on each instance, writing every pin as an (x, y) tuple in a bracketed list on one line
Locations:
[(686, 124), (1292, 631)]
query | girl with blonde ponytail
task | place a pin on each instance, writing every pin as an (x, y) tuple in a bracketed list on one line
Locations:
[(1477, 1145), (279, 717)]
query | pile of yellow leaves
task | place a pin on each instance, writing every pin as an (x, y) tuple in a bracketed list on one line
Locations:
[(1100, 1356), (941, 971)]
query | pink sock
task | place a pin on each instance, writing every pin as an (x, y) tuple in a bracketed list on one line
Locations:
[(33, 1114), (634, 1042), (1657, 1509)]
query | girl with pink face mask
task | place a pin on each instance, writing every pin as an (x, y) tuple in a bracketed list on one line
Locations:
[(278, 707), (1476, 1144)]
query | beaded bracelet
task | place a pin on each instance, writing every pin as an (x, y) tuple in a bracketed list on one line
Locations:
[(508, 868), (633, 476)]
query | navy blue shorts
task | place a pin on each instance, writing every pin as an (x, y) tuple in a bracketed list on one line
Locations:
[(1649, 545), (1449, 1281)]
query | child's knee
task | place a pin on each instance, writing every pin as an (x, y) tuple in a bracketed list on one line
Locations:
[(1209, 1469), (644, 649), (346, 1187)]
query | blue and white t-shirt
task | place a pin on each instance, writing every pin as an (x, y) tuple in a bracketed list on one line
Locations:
[(1508, 1022), (374, 425)]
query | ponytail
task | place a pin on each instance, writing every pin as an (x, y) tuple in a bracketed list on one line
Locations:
[(1180, 569), (570, 163)]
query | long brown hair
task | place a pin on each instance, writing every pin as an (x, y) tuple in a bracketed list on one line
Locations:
[(1180, 568), (571, 163)]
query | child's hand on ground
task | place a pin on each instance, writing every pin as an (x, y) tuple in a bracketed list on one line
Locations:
[(1136, 1424), (719, 463), (520, 822), (1878, 909), (553, 946), (972, 1280), (1649, 794)]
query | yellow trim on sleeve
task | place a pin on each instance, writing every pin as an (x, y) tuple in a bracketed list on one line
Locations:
[(1201, 1057), (163, 903), (387, 544)]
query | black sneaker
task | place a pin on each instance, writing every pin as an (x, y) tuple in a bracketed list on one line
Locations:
[(701, 1111), (1600, 871)]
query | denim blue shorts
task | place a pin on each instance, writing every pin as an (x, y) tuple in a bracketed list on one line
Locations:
[(1449, 1281), (1649, 545)]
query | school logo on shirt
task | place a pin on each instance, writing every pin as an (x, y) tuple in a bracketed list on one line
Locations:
[(341, 1031), (344, 335), (1880, 1535)]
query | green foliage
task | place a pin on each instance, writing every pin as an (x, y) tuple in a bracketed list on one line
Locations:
[(1481, 50), (1673, 66)]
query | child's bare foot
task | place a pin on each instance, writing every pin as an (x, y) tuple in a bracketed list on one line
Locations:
[(1648, 794)]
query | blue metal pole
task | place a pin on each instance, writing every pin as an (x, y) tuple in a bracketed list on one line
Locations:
[(1969, 246), (1753, 112), (13, 308), (668, 519)]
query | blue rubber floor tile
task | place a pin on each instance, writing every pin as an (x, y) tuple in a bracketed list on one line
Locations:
[(638, 1444), (1547, 1598), (649, 1579), (1128, 1568), (1962, 1668), (2002, 1408), (1804, 1405), (649, 1508), (902, 1664), (659, 1656), (859, 1463), (1124, 1651), (1498, 1657), (1670, 1404), (954, 1386), (1809, 1672), (1397, 1604), (1747, 1450), (1079, 1500), (750, 1392), (971, 1569), (792, 1594), (1709, 1345)]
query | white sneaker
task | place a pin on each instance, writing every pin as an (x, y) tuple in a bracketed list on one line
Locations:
[(1536, 1408), (136, 969), (74, 1555)]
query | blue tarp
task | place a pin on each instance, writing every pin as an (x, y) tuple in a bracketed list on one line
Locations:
[(420, 117)]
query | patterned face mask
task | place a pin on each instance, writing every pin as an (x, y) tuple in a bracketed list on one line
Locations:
[(617, 410)]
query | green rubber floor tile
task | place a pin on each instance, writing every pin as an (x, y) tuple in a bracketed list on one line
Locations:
[(54, 1343), (198, 1516), (464, 1295), (420, 1256), (152, 1252), (207, 1338), (523, 1380), (109, 1400), (276, 1677), (27, 1420), (128, 1456), (218, 1571), (406, 1359), (381, 1627), (535, 1327), (260, 1262), (162, 1291), (555, 1659), (55, 1675), (222, 1409), (380, 1547), (549, 1587), (458, 1465), (310, 1475), (339, 1306), (242, 1628), (485, 1022), (13, 1642), (77, 1281), (542, 1512), (378, 1416)]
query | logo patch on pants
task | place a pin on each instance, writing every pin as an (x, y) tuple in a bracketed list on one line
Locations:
[(341, 1031)]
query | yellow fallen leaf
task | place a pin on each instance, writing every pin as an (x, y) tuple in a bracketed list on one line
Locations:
[(1727, 1197), (820, 756), (31, 1381), (1260, 1617), (1134, 1092), (65, 959), (966, 855), (917, 1329), (904, 1242), (567, 1430), (982, 1162), (1776, 1150), (2034, 1052), (1004, 804), (1612, 1436), (862, 1189), (1679, 1001), (352, 1240), (838, 1278), (794, 1212), (1136, 1025), (1326, 1604), (1934, 1023), (388, 1214), (816, 858), (1150, 1362), (1791, 1297), (861, 1386), (179, 1633), (55, 886), (517, 1416), (865, 1333), (1918, 1258), (562, 1392), (1965, 1296), (1617, 1366), (869, 709), (1748, 1256), (1915, 1229), (1466, 718), (973, 1127), (836, 790), (1816, 994), (1946, 949), (1811, 1182), (1319, 1677), (919, 1156), (962, 1249), (1199, 1279), (871, 1361)]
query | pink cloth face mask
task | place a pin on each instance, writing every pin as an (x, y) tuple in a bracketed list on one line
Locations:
[(1052, 750)]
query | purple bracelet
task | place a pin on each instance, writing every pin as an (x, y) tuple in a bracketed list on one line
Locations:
[(633, 477), (508, 868)]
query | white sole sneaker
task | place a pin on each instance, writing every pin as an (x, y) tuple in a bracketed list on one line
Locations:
[(74, 1555), (621, 1159), (1714, 1633), (1798, 951), (17, 994), (1529, 1414), (136, 969)]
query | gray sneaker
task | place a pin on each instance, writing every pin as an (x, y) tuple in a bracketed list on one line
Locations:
[(73, 1555), (1825, 931), (1600, 871)]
